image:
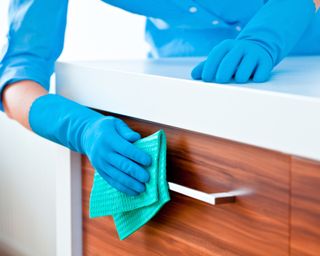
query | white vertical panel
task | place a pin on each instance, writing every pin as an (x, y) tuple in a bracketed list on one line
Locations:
[(27, 191), (69, 205)]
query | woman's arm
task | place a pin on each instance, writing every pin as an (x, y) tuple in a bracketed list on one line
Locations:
[(105, 140), (262, 44), (18, 97), (35, 41)]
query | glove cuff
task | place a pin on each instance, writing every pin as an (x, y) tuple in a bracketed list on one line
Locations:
[(61, 120)]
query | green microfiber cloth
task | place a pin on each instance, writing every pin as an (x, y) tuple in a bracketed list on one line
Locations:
[(132, 212)]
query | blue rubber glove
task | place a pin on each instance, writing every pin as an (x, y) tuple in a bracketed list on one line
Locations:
[(106, 140), (263, 43), (238, 59)]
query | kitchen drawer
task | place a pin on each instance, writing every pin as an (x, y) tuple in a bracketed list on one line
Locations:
[(255, 224), (305, 216)]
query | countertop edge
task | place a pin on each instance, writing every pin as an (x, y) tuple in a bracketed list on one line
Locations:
[(268, 120)]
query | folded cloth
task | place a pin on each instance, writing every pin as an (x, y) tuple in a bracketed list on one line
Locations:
[(132, 212)]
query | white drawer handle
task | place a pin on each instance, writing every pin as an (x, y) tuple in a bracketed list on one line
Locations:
[(215, 198)]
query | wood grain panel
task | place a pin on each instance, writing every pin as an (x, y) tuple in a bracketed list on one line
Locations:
[(257, 224), (305, 217)]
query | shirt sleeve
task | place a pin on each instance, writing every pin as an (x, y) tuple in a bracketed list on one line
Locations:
[(34, 41)]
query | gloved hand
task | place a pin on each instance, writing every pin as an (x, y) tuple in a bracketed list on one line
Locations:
[(106, 140), (107, 143), (238, 59), (263, 43)]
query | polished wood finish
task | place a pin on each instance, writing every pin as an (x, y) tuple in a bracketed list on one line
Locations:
[(256, 224), (305, 216)]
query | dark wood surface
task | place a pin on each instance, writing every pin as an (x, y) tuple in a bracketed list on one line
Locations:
[(305, 216), (256, 224)]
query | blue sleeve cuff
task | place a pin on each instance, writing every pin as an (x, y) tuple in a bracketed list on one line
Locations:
[(9, 75)]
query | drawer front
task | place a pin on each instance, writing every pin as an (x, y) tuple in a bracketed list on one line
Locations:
[(305, 216), (256, 224)]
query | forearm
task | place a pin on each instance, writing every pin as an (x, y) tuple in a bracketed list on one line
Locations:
[(18, 97), (279, 25), (105, 140)]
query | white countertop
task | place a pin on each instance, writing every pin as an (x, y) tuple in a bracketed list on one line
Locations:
[(282, 114)]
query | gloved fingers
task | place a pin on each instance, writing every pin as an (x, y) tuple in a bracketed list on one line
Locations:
[(229, 64), (130, 151), (196, 73), (123, 178), (129, 167), (214, 59), (263, 71), (126, 132), (117, 185), (246, 68)]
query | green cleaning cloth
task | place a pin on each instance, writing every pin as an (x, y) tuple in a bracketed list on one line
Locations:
[(132, 212)]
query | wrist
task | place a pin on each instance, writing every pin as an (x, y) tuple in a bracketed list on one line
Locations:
[(89, 130), (61, 120)]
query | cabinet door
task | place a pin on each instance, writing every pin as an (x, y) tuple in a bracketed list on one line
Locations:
[(256, 224), (305, 217)]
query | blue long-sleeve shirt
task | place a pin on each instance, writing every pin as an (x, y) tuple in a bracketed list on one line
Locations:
[(35, 41), (173, 28)]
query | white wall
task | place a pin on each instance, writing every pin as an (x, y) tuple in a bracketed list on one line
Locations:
[(27, 188), (96, 31), (99, 31)]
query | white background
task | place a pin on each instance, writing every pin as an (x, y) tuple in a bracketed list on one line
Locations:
[(96, 31), (27, 182)]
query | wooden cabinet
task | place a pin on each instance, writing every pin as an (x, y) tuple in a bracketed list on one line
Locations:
[(256, 224), (305, 214), (278, 214)]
